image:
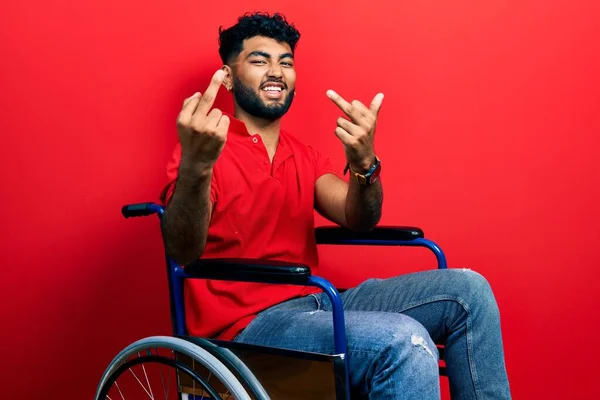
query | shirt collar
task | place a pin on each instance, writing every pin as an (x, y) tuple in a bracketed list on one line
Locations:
[(237, 127)]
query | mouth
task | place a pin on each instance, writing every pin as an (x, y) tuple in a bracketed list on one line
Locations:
[(273, 90)]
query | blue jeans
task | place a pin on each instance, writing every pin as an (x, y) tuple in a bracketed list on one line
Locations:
[(392, 326)]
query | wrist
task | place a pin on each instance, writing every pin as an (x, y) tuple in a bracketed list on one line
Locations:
[(363, 166), (195, 169), (370, 174)]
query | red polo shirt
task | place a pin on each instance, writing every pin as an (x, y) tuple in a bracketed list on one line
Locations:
[(261, 210)]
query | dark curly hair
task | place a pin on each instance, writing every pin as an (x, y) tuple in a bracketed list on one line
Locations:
[(274, 26)]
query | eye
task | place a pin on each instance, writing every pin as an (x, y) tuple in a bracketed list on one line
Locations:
[(287, 64), (258, 62)]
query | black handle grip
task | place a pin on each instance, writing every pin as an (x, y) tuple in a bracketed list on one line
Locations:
[(136, 210)]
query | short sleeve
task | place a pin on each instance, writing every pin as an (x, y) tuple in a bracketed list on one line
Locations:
[(322, 164), (173, 172)]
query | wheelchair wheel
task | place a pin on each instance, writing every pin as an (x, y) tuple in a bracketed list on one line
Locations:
[(167, 367)]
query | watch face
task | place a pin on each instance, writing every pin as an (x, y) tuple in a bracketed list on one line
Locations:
[(375, 175)]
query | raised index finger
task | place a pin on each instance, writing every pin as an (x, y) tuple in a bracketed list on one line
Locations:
[(346, 107), (208, 99)]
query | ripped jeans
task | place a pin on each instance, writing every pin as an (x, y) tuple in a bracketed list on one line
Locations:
[(392, 326)]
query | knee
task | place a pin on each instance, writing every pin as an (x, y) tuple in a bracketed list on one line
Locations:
[(475, 289), (410, 348), (393, 354), (405, 338)]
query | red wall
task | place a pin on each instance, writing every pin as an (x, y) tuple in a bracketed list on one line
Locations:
[(488, 136)]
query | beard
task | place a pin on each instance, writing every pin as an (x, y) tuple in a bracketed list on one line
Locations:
[(250, 102)]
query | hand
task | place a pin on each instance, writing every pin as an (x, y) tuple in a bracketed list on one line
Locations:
[(358, 133), (202, 134)]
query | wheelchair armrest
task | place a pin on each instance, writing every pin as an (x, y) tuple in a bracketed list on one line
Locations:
[(259, 271), (339, 235), (249, 270), (381, 236)]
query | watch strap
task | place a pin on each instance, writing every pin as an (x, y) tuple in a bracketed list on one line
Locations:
[(366, 178)]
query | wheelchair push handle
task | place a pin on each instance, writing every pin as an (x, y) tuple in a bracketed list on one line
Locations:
[(141, 209)]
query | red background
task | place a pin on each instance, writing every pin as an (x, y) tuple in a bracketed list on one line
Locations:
[(488, 135)]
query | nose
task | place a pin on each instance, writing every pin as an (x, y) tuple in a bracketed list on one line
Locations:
[(275, 71)]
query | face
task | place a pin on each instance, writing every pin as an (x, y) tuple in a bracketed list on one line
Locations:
[(263, 78)]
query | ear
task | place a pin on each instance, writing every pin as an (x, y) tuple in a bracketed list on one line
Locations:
[(228, 80)]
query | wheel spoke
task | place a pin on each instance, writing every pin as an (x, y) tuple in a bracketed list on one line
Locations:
[(207, 381), (169, 386), (148, 382), (162, 381), (141, 384), (119, 389), (167, 390)]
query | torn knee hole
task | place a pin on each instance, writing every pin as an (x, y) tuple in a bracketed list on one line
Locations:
[(419, 341)]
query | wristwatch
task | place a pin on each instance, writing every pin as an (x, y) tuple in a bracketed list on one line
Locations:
[(370, 177)]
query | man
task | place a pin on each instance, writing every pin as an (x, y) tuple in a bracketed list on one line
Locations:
[(242, 187)]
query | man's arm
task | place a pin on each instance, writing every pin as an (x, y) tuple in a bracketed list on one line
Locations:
[(352, 205), (202, 135), (187, 216), (363, 205)]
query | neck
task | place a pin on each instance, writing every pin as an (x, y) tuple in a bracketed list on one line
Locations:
[(267, 129)]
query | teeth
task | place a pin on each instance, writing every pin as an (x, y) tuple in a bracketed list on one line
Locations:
[(272, 89)]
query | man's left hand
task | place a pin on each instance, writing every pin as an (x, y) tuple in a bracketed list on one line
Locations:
[(358, 133)]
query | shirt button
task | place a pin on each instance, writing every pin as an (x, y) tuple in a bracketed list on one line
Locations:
[(255, 140), (266, 162)]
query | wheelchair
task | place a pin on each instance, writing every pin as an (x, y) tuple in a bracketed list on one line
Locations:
[(190, 368)]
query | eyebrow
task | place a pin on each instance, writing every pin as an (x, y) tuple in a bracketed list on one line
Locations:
[(267, 55)]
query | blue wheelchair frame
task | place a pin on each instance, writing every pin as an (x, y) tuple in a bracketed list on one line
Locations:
[(283, 273)]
